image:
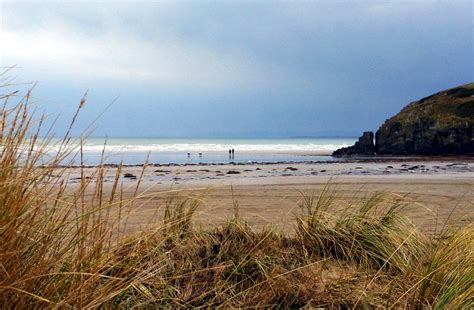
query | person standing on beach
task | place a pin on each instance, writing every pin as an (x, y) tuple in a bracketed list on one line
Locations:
[(232, 153)]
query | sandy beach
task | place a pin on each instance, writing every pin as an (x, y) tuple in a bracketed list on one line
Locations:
[(270, 194)]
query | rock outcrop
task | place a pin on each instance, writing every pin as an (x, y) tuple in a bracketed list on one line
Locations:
[(441, 124), (364, 147)]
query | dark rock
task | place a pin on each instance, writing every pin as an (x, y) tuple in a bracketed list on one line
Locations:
[(129, 175), (233, 172), (364, 147), (79, 178)]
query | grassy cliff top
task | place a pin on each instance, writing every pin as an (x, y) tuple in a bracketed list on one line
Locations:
[(448, 107)]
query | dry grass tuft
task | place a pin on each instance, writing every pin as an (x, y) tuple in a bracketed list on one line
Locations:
[(447, 280), (374, 236)]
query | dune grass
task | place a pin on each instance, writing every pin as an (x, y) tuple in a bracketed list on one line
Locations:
[(63, 245), (365, 234)]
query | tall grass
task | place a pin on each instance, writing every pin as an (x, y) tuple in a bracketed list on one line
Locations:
[(448, 278), (374, 236), (63, 245), (53, 237)]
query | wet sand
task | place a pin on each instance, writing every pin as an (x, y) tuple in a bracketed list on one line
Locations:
[(270, 194)]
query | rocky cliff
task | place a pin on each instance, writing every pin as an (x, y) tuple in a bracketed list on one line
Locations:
[(440, 124), (364, 147)]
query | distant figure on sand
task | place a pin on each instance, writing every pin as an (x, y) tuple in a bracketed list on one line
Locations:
[(200, 154), (189, 154), (232, 153)]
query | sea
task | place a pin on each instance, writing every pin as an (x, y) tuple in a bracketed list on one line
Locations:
[(134, 151)]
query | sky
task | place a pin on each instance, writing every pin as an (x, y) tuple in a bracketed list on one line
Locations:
[(234, 68)]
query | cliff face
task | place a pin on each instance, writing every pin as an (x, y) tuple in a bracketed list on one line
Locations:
[(436, 125), (440, 124)]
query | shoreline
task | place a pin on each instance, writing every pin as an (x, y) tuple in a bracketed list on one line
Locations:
[(378, 159)]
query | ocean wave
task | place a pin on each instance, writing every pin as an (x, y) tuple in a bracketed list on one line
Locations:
[(208, 147)]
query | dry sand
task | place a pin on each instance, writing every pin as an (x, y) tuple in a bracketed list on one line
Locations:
[(269, 194)]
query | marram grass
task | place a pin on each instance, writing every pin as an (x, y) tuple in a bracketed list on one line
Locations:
[(61, 246)]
